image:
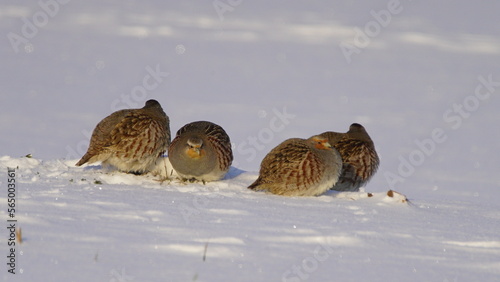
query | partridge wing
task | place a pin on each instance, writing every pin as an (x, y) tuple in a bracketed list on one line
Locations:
[(138, 135), (221, 143), (292, 165), (102, 136)]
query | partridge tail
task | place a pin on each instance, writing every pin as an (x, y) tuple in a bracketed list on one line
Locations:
[(255, 185), (84, 159)]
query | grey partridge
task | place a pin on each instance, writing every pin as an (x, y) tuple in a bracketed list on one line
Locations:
[(132, 140), (359, 157), (299, 167), (201, 151)]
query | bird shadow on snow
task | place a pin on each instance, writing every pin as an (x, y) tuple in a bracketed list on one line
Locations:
[(93, 168), (107, 170), (233, 173)]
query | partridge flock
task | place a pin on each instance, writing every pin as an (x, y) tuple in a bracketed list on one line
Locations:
[(134, 141)]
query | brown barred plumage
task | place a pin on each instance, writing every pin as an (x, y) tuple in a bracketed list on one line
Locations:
[(131, 140), (299, 167), (360, 159), (201, 151)]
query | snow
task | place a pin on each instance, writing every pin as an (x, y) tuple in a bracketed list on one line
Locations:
[(425, 86)]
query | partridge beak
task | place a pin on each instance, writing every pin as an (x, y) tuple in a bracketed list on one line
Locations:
[(195, 152), (324, 145)]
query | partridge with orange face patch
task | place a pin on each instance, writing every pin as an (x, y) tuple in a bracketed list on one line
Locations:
[(299, 167), (131, 140), (201, 151), (360, 159)]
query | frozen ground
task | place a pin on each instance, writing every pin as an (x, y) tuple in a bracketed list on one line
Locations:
[(417, 79)]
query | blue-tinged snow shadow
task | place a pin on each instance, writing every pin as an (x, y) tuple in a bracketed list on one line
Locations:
[(233, 173)]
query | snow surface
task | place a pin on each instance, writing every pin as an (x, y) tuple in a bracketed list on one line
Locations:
[(265, 72)]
